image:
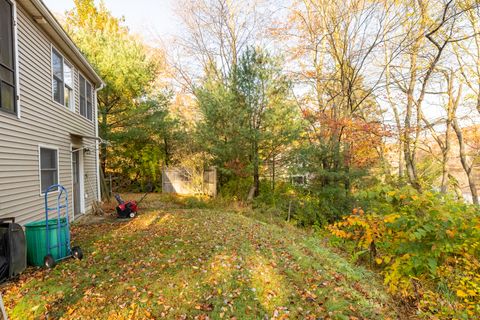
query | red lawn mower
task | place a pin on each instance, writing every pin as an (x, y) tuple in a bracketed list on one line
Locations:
[(127, 209)]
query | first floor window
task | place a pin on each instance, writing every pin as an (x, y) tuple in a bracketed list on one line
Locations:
[(48, 168), (62, 81), (8, 94)]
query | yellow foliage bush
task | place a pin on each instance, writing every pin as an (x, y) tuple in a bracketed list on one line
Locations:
[(426, 246)]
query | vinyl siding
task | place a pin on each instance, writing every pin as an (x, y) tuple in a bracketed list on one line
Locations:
[(43, 122)]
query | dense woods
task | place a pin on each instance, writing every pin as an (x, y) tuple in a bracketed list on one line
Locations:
[(359, 117)]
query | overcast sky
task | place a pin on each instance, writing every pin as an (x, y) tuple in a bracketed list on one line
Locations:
[(147, 17)]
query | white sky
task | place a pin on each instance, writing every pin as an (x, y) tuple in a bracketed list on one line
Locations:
[(149, 18)]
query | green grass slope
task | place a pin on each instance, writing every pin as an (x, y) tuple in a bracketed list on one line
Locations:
[(198, 264)]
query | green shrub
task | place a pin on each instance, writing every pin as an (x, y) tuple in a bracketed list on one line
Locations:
[(299, 205), (196, 203), (236, 189), (295, 203), (427, 245)]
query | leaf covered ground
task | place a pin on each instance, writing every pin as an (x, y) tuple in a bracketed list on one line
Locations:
[(178, 263)]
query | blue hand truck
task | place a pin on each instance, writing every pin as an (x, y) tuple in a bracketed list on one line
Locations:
[(62, 232)]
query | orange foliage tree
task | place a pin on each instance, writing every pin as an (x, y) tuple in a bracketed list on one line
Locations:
[(330, 47)]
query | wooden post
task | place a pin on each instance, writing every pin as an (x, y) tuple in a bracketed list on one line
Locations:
[(104, 187), (289, 210), (273, 173), (110, 191)]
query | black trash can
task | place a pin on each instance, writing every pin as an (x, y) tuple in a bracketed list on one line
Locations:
[(13, 251)]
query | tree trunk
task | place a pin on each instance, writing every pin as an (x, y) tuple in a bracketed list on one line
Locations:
[(410, 163), (104, 147), (451, 111), (401, 164), (273, 173), (464, 160), (452, 107), (167, 153), (473, 188), (478, 97), (409, 152), (444, 184), (105, 192), (256, 174)]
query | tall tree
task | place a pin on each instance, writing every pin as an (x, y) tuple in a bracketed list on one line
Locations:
[(216, 34), (430, 34), (333, 47), (148, 144), (263, 91), (120, 59), (221, 129), (241, 126)]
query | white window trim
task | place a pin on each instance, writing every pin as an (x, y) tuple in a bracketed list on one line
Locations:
[(17, 63), (93, 97), (17, 112), (40, 146), (81, 173), (65, 61)]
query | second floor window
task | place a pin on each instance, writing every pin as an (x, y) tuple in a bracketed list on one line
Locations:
[(8, 94), (86, 100), (62, 80)]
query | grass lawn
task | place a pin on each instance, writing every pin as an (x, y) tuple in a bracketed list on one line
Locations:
[(178, 263)]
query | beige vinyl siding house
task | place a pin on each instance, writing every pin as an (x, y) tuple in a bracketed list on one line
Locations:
[(45, 137)]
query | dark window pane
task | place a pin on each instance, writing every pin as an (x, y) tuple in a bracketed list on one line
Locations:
[(7, 66), (89, 110), (48, 168), (7, 93), (57, 90), (89, 92), (48, 158), (6, 75), (57, 65), (82, 86), (6, 34), (89, 101), (83, 107), (49, 178), (86, 99), (83, 101)]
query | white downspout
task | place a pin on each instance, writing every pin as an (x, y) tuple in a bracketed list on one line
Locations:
[(97, 146)]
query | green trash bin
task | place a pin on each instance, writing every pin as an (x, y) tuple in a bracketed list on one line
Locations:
[(36, 234)]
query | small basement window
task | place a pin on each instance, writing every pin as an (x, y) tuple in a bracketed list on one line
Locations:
[(48, 168)]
